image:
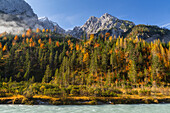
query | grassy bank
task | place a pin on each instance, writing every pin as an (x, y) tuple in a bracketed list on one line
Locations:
[(47, 100)]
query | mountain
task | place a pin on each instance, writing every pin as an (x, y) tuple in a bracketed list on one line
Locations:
[(17, 16), (48, 24), (106, 23)]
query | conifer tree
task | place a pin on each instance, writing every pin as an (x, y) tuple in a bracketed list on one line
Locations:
[(47, 75)]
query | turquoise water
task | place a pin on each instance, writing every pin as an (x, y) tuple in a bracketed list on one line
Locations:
[(152, 108)]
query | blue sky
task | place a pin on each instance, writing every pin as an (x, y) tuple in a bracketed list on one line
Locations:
[(70, 13)]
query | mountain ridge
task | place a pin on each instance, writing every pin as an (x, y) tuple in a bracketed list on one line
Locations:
[(106, 22), (16, 16)]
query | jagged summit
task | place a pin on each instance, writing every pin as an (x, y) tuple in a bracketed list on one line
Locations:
[(107, 15), (48, 24), (43, 18), (104, 23)]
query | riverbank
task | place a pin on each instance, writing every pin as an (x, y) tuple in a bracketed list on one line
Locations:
[(46, 100)]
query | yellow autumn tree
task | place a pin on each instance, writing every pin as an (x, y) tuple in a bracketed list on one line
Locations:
[(91, 37), (121, 42), (77, 47), (42, 45), (39, 41), (110, 38), (85, 57), (31, 40), (43, 30), (37, 30), (23, 35), (69, 42)]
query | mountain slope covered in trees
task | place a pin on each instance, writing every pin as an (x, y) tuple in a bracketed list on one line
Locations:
[(43, 62)]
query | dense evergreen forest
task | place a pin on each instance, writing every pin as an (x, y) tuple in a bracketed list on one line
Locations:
[(47, 63)]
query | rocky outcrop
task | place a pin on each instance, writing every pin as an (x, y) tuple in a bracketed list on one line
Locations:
[(48, 24), (106, 23), (16, 16)]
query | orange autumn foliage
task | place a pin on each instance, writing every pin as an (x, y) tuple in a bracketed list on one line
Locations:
[(42, 45), (28, 34), (0, 45), (69, 42), (31, 40), (96, 45), (71, 46), (16, 38), (32, 44), (50, 41), (85, 57), (47, 30), (27, 40), (23, 35), (4, 48), (39, 41), (107, 34), (57, 44), (67, 53), (77, 47), (37, 30), (110, 38)]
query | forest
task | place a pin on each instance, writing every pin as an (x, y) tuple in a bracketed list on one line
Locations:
[(45, 63)]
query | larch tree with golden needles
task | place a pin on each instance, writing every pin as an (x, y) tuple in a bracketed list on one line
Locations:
[(16, 38), (57, 44), (38, 30), (0, 45), (4, 48), (43, 30)]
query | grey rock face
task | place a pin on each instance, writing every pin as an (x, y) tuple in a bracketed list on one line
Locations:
[(16, 7), (48, 24), (16, 16), (105, 23)]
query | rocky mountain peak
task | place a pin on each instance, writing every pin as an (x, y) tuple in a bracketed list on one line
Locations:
[(106, 15), (48, 24), (16, 16), (43, 18), (106, 23)]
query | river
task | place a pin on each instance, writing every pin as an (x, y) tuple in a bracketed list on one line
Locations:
[(139, 108)]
